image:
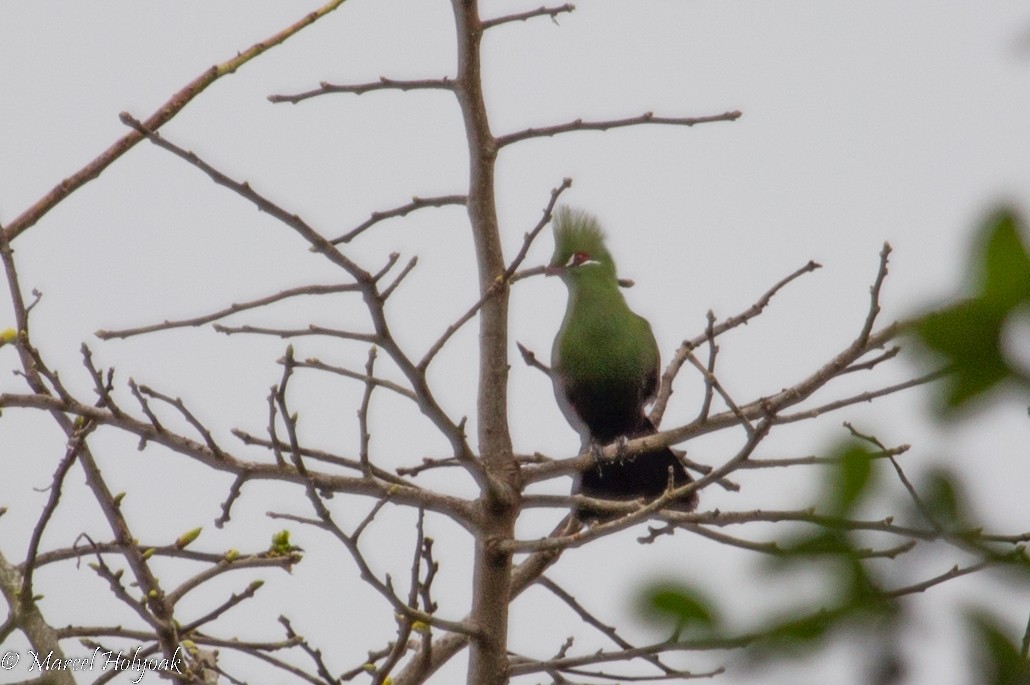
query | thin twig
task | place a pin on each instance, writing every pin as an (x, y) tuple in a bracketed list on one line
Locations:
[(233, 600), (312, 363), (277, 446), (161, 116), (545, 219), (953, 572), (326, 88), (366, 399), (580, 125), (530, 358), (234, 493), (234, 308), (427, 464), (56, 486), (589, 618), (315, 654), (542, 11), (403, 210), (874, 294), (687, 346), (711, 382), (454, 432), (297, 332), (709, 373), (388, 290), (887, 355), (180, 406), (502, 281), (861, 397), (243, 189)]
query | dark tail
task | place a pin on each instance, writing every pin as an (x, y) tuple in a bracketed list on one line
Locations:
[(642, 476)]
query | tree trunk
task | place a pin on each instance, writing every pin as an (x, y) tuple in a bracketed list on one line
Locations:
[(488, 659)]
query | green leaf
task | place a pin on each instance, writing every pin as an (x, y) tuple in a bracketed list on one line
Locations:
[(851, 478), (281, 545), (824, 541), (684, 604), (804, 629), (968, 335), (943, 497), (1001, 662), (1006, 264)]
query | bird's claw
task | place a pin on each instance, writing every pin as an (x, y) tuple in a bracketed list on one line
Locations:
[(621, 447)]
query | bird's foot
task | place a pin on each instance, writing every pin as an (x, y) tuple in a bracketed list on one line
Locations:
[(621, 447), (597, 450)]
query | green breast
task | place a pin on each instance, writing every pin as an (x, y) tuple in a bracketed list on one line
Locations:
[(601, 339)]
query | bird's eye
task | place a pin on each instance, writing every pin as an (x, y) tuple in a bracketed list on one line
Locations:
[(578, 259)]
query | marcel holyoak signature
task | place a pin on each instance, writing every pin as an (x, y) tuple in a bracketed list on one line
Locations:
[(99, 660)]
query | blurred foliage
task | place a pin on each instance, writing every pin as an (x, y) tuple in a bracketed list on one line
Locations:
[(846, 484), (969, 337), (686, 606), (1001, 661), (860, 607), (944, 500), (858, 604)]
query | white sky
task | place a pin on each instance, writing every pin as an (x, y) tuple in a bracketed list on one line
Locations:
[(863, 122)]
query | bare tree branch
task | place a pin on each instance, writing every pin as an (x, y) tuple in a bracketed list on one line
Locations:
[(161, 116), (580, 125), (665, 390), (384, 83), (541, 11), (501, 282), (427, 403), (312, 363), (421, 641), (230, 310), (403, 210)]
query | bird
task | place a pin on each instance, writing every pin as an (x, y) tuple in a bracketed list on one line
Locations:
[(605, 371)]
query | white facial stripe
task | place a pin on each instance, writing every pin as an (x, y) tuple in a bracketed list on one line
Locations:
[(578, 259)]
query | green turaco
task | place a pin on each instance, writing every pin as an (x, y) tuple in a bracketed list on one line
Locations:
[(605, 366)]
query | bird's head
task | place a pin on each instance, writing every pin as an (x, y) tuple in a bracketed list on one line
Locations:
[(578, 246)]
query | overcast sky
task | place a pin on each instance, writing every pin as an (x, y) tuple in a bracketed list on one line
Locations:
[(862, 123)]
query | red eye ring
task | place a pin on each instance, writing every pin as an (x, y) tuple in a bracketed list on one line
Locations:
[(577, 259)]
